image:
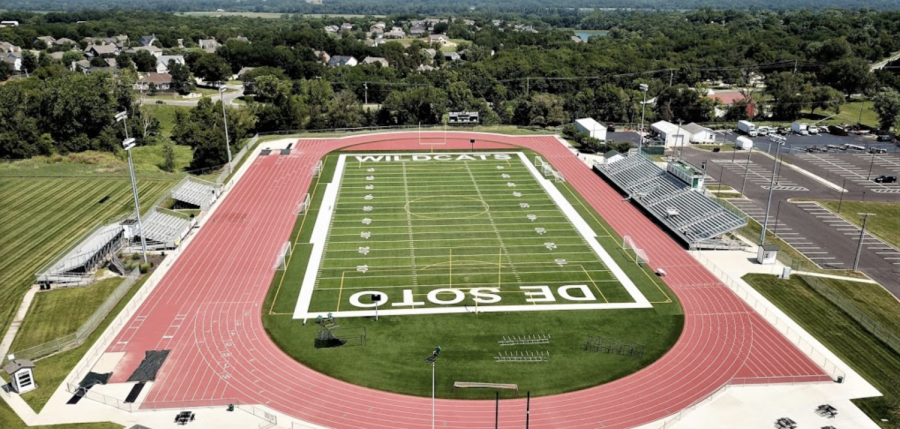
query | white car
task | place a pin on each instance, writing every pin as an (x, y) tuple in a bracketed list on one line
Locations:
[(763, 131), (813, 129)]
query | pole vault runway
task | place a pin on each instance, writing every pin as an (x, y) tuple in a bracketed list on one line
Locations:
[(207, 311)]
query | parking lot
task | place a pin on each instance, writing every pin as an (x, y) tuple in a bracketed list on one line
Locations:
[(859, 170), (798, 144)]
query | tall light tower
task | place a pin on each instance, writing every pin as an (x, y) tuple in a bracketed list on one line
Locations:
[(862, 236), (431, 359), (225, 119), (779, 140), (129, 143), (644, 88)]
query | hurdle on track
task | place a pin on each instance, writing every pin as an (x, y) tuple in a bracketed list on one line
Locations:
[(523, 357)]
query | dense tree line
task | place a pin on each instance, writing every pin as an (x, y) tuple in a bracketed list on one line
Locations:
[(431, 6), (808, 60)]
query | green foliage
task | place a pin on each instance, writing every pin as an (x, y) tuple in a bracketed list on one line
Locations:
[(169, 157), (182, 81), (211, 68), (202, 129), (6, 71), (144, 61), (887, 105)]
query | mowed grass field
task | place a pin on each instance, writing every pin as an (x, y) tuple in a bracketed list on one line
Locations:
[(873, 359), (40, 217), (396, 345), (885, 224), (475, 233)]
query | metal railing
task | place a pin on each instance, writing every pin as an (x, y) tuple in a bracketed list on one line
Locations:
[(86, 329)]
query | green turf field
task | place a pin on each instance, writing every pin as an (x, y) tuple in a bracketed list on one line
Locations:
[(397, 345), (473, 233)]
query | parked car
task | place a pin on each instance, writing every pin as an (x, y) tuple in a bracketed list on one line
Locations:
[(763, 131), (813, 129), (886, 179), (877, 150), (886, 138), (611, 128), (784, 131)]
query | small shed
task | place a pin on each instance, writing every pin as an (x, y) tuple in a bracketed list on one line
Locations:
[(591, 127), (766, 254), (612, 156), (700, 134), (21, 374), (671, 135)]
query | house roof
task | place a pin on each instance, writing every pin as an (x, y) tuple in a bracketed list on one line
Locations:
[(152, 49), (157, 78), (665, 127), (208, 44), (240, 39), (244, 70), (452, 56), (48, 39), (64, 40), (694, 128), (6, 47), (16, 365), (146, 40), (340, 60), (103, 49), (727, 98), (373, 60), (436, 37), (164, 59)]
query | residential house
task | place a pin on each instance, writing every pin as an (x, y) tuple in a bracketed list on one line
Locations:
[(468, 22), (496, 22), (700, 134), (162, 62), (437, 38), (395, 33), (101, 50), (15, 61), (64, 41), (418, 31), (157, 52), (58, 55), (424, 68), (80, 65), (49, 40), (726, 99), (342, 60), (346, 27), (147, 40), (208, 45), (430, 52), (332, 29), (162, 81), (525, 28), (577, 39), (378, 41), (452, 56), (7, 48), (241, 72), (322, 55), (375, 60), (240, 39), (377, 30)]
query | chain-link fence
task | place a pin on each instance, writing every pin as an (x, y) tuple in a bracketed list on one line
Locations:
[(84, 331)]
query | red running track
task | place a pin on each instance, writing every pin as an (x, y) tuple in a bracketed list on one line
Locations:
[(207, 312)]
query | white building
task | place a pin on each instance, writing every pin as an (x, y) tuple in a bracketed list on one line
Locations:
[(700, 134), (20, 372), (591, 128), (672, 135), (162, 62)]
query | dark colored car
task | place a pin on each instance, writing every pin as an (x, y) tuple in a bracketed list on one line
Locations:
[(611, 128), (886, 179), (784, 131), (886, 138)]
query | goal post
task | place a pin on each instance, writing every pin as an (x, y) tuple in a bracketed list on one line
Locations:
[(281, 260), (317, 170), (640, 256), (302, 206)]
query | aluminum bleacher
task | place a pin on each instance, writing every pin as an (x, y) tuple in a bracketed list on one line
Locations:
[(698, 220), (163, 230), (76, 265), (192, 192)]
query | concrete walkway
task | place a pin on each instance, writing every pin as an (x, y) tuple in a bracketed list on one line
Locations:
[(17, 321)]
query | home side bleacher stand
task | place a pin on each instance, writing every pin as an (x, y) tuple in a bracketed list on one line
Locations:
[(194, 193), (675, 199)]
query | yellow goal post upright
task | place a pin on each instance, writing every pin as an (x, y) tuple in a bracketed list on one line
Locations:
[(640, 256)]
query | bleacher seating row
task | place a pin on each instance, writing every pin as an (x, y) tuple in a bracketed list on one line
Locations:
[(195, 193), (163, 230), (76, 265), (688, 213)]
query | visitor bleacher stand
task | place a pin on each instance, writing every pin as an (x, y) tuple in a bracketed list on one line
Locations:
[(76, 265), (698, 220), (192, 192), (163, 229)]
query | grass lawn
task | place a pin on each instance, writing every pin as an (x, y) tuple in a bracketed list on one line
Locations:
[(154, 156), (147, 160), (867, 355), (469, 341), (204, 92), (885, 224), (11, 421), (43, 216), (50, 372), (165, 114), (57, 313), (849, 114), (511, 130)]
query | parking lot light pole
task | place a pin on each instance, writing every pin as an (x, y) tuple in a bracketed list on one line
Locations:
[(862, 235), (871, 164), (780, 141), (644, 88), (843, 189), (746, 170), (225, 120)]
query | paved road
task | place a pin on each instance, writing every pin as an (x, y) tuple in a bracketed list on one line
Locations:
[(234, 92), (825, 239)]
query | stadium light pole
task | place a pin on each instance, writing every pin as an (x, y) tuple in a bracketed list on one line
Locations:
[(129, 143), (225, 120), (862, 236), (780, 141), (644, 88), (432, 359), (746, 170)]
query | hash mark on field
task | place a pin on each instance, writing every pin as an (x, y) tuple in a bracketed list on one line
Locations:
[(494, 225), (409, 227)]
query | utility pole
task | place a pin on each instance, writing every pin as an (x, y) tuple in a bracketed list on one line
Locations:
[(644, 88), (862, 236), (671, 76)]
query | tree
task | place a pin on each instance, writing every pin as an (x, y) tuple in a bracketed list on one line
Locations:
[(29, 62), (70, 57), (790, 95), (826, 98), (6, 71), (849, 75), (168, 157), (344, 110), (98, 62), (182, 82), (211, 68), (144, 61), (887, 106), (123, 61), (680, 103)]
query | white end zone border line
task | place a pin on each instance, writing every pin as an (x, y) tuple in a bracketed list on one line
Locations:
[(326, 214)]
